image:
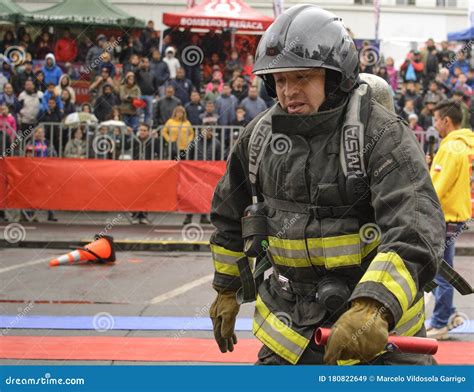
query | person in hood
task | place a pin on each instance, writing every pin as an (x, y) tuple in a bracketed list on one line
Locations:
[(451, 176), (171, 61), (52, 73), (65, 84)]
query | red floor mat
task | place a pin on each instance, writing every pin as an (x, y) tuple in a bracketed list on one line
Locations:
[(164, 349)]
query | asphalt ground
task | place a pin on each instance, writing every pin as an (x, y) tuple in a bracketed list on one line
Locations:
[(140, 283)]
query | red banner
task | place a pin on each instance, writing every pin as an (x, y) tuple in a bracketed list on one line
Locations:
[(104, 185), (3, 184)]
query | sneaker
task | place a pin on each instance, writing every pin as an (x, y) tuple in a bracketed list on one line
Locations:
[(437, 333), (145, 221), (135, 221), (188, 220), (204, 220), (456, 320)]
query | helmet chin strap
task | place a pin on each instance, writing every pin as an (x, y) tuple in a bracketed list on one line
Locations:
[(334, 95)]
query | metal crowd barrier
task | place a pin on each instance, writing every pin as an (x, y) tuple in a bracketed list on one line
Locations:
[(120, 143)]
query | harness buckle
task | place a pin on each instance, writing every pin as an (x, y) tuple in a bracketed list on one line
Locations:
[(284, 282)]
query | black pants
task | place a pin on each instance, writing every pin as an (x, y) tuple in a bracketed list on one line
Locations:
[(313, 355)]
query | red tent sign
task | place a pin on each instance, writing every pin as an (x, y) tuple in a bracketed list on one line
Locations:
[(220, 14)]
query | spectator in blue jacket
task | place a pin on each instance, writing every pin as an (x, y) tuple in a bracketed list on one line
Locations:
[(253, 104), (50, 93), (182, 86), (226, 105), (52, 73)]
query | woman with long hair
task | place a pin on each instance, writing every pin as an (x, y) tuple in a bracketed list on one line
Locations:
[(178, 133)]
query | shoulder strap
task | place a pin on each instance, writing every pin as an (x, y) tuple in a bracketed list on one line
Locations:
[(352, 144), (257, 145)]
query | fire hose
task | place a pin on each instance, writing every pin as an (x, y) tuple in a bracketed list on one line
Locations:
[(403, 344)]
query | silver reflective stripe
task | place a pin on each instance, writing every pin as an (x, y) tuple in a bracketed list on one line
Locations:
[(276, 335), (225, 259), (389, 267), (316, 252), (402, 329), (343, 250), (288, 253)]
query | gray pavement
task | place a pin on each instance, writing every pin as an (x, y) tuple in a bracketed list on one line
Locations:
[(141, 283), (166, 232)]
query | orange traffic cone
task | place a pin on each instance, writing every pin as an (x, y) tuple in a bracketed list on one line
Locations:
[(100, 250)]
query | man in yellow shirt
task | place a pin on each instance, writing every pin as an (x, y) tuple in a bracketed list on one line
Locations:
[(451, 174)]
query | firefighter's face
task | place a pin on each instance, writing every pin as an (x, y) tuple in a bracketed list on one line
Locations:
[(300, 92)]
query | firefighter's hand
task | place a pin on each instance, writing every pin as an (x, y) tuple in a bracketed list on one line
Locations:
[(223, 313), (360, 333)]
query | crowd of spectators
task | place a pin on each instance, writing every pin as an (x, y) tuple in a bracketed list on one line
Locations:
[(168, 103), (133, 80), (425, 78)]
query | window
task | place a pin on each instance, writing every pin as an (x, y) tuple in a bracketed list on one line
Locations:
[(446, 3), (405, 2), (364, 2)]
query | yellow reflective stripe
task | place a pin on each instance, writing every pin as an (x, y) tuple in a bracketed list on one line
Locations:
[(343, 261), (228, 269), (390, 283), (273, 320), (276, 347), (413, 330), (289, 262), (350, 362), (226, 252), (329, 252), (341, 240), (286, 243), (408, 315), (401, 268), (390, 270), (412, 320)]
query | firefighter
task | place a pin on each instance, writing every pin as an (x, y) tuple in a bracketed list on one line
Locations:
[(331, 190)]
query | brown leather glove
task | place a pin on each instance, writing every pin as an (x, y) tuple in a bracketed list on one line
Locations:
[(223, 313), (360, 333)]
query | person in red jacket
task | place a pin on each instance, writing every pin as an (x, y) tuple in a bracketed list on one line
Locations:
[(66, 48), (412, 68)]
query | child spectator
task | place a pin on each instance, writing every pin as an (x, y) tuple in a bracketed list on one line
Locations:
[(76, 147)]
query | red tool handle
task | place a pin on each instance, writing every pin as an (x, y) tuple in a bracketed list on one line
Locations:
[(404, 344)]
